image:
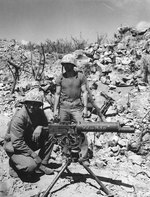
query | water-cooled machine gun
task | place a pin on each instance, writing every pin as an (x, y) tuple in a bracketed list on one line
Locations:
[(70, 137)]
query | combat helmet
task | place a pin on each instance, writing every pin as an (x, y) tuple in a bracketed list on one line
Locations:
[(69, 59), (34, 95)]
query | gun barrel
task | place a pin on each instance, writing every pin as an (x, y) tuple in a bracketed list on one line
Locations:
[(104, 127)]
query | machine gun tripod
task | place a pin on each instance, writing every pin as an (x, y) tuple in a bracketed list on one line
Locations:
[(69, 160), (70, 138)]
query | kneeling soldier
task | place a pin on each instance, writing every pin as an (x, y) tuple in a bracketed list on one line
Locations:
[(25, 136)]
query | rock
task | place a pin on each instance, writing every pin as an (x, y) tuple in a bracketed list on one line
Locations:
[(142, 87), (111, 111), (96, 46), (114, 141), (4, 120), (6, 187), (107, 60), (32, 193), (1, 140), (99, 50), (123, 142), (112, 87), (146, 194), (146, 137), (120, 108), (96, 56), (115, 149), (136, 159), (100, 164), (95, 77), (98, 143), (103, 79), (125, 61), (89, 52)]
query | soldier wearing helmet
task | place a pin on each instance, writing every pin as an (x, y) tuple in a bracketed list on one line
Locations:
[(25, 135), (69, 59), (69, 87)]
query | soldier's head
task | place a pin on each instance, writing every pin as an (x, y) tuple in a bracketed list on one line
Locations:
[(33, 100), (69, 62)]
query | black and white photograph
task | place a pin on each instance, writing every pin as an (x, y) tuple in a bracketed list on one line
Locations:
[(74, 98)]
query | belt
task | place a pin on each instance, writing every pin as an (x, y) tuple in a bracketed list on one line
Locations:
[(71, 103)]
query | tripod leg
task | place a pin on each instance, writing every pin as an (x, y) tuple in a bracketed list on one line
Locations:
[(56, 178), (97, 180), (68, 171)]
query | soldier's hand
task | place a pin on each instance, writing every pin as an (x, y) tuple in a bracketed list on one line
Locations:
[(36, 134), (36, 158)]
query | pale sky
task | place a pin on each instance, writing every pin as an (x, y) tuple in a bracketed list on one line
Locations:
[(38, 20)]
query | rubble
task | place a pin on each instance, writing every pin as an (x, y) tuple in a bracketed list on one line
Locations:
[(113, 68)]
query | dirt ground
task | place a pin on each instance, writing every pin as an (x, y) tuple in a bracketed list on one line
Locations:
[(120, 176), (125, 174)]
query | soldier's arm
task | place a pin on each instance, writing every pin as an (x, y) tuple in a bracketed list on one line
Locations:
[(56, 99), (85, 98), (17, 129)]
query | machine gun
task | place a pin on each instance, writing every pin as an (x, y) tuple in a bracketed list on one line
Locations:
[(70, 138)]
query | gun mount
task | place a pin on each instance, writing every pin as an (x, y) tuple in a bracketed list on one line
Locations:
[(70, 137)]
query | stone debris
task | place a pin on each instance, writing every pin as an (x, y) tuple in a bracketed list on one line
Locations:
[(121, 160)]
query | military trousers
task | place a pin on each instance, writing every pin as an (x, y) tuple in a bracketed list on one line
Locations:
[(74, 114)]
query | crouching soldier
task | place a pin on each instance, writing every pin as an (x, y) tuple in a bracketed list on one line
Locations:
[(25, 135)]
